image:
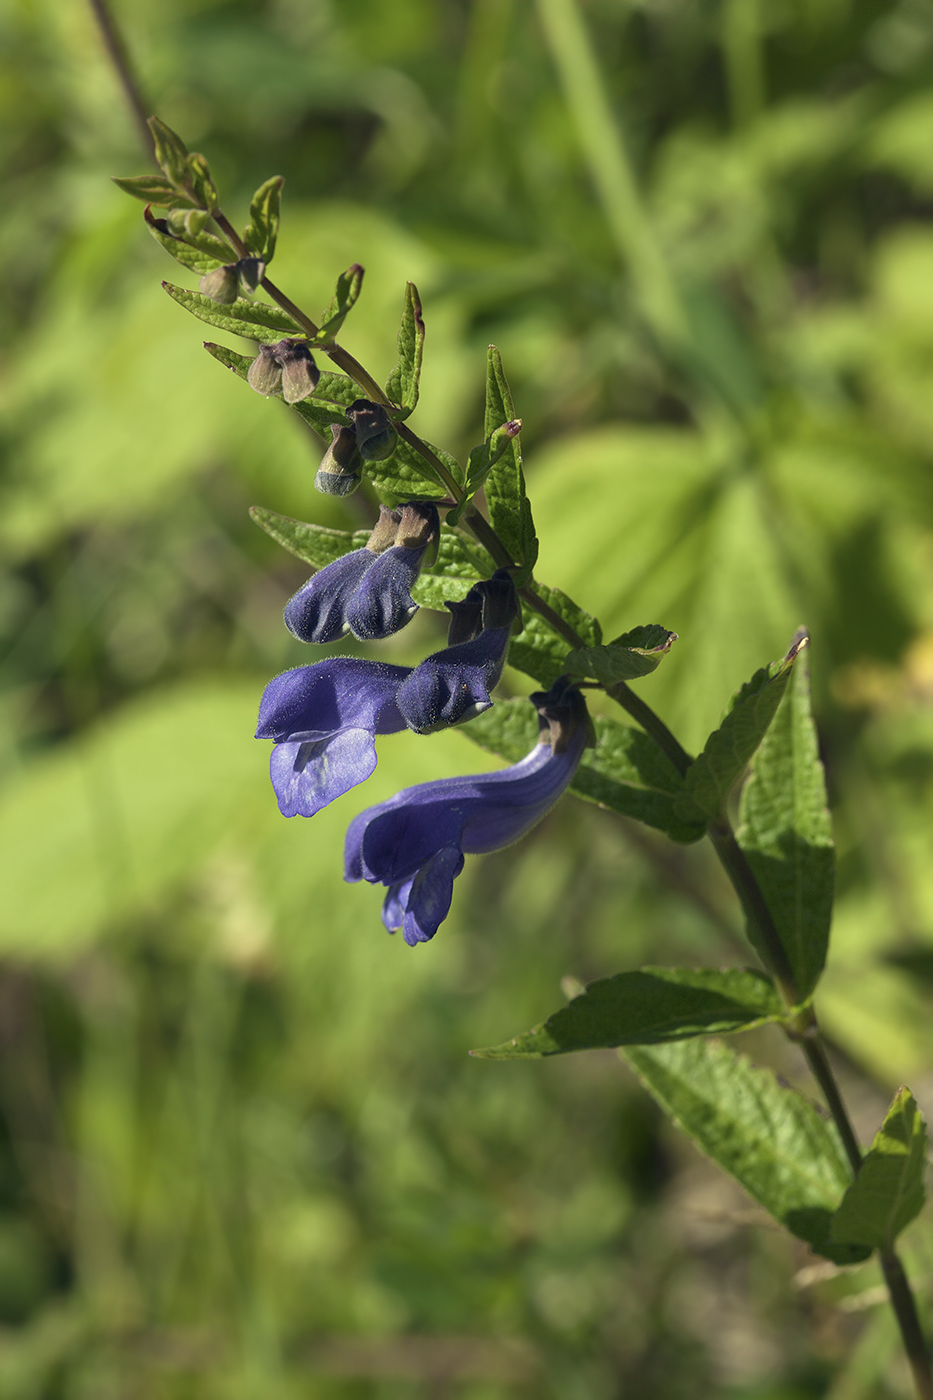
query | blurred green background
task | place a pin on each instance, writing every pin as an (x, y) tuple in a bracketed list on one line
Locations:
[(243, 1151)]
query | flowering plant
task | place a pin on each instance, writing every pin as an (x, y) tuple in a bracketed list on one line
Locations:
[(804, 1167)]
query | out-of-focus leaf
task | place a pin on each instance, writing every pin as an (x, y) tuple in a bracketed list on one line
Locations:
[(201, 253), (649, 1007), (712, 776), (154, 189), (888, 1192), (349, 286), (761, 1131), (262, 230), (402, 384), (635, 653), (201, 181), (170, 151), (509, 507), (242, 317), (786, 832)]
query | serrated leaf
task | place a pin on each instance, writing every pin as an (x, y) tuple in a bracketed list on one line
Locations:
[(349, 285), (888, 1192), (539, 649), (509, 507), (712, 776), (262, 230), (406, 471), (191, 252), (171, 153), (317, 545), (481, 461), (153, 189), (761, 1131), (649, 1007), (786, 832), (626, 771), (459, 564), (634, 654), (402, 384), (241, 317)]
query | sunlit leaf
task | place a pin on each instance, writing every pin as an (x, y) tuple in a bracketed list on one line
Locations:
[(888, 1192)]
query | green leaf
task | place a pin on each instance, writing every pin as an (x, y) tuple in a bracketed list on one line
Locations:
[(402, 384), (649, 1007), (171, 153), (242, 317), (626, 772), (349, 285), (776, 1144), (786, 832), (888, 1192), (712, 776), (459, 564), (200, 252), (317, 545), (509, 507), (262, 230), (636, 653), (154, 189), (407, 476), (482, 460), (539, 649), (199, 179)]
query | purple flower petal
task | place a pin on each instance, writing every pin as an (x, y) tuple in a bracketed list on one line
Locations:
[(317, 612), (453, 685), (382, 603)]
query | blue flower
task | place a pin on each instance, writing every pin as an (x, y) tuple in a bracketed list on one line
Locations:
[(324, 719), (453, 685), (416, 841), (368, 591)]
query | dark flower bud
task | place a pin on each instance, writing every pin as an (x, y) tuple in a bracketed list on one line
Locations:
[(299, 372), (220, 284), (265, 373), (385, 530), (339, 473), (250, 272), (375, 436)]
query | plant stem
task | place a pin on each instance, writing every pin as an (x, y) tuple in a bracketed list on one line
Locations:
[(652, 723), (116, 50), (905, 1310), (767, 939)]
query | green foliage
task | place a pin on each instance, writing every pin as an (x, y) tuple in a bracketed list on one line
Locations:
[(349, 286), (402, 384), (888, 1192), (636, 653), (728, 749), (509, 507), (170, 151), (786, 833), (262, 230), (540, 649), (317, 545), (764, 1133), (243, 317), (154, 189), (649, 1007)]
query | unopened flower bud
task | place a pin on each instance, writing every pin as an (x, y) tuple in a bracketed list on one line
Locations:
[(385, 530), (339, 473), (265, 373), (419, 524), (375, 436), (220, 284), (299, 372), (250, 272)]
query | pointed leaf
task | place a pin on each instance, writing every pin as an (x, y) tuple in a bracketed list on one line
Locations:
[(888, 1192), (402, 384), (649, 1007), (171, 152), (255, 320), (540, 650), (482, 460), (190, 252), (626, 772), (153, 189), (712, 776), (775, 1143), (349, 285), (262, 230), (786, 832), (200, 181), (509, 507), (636, 653), (315, 544)]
